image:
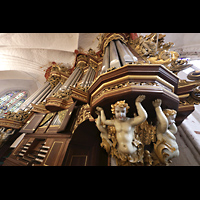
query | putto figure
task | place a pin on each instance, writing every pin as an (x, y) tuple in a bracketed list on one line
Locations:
[(128, 147), (166, 147)]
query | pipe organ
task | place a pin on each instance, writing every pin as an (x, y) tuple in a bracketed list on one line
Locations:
[(117, 54), (37, 96), (60, 120)]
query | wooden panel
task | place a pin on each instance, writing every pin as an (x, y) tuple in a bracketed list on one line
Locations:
[(151, 69), (78, 160), (33, 123), (84, 148), (53, 153), (56, 152), (67, 118)]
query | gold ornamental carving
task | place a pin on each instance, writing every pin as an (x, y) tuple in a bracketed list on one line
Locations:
[(153, 49), (106, 38), (83, 115), (58, 73)]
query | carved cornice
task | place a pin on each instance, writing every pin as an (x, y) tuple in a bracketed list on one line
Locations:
[(7, 123), (57, 74), (80, 95), (39, 108), (127, 82), (54, 104)]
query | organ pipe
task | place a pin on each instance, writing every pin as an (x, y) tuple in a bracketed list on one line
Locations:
[(114, 58), (130, 53), (106, 60), (34, 96), (123, 53)]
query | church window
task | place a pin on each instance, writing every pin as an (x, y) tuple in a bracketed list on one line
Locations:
[(11, 101)]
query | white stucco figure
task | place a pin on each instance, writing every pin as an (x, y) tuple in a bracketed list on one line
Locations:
[(127, 144), (166, 147)]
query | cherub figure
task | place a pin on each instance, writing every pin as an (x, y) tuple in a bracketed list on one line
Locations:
[(127, 144), (166, 147)]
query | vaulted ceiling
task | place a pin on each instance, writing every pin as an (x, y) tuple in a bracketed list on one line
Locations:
[(31, 53)]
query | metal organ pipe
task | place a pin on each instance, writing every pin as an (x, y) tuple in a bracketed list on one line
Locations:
[(106, 60), (33, 96), (114, 58), (130, 53), (123, 53), (40, 96), (92, 77), (76, 78), (55, 89), (68, 81), (117, 54), (84, 79), (89, 76)]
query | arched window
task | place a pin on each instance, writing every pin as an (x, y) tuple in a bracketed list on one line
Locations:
[(11, 101)]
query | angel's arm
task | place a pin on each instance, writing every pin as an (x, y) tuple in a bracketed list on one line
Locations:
[(142, 114), (162, 119), (103, 117)]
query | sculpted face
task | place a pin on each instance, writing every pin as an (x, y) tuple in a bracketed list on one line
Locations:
[(120, 113), (171, 119)]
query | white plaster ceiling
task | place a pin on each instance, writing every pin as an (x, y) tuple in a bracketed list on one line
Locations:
[(31, 53)]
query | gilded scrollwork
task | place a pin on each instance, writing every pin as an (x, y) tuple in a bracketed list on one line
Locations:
[(146, 132), (153, 49), (194, 97), (62, 94), (83, 115), (18, 116), (58, 73), (123, 85), (106, 38)]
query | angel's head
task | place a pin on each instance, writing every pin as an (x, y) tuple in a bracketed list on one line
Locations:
[(119, 109), (171, 115)]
